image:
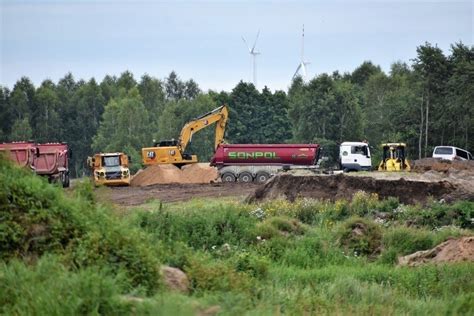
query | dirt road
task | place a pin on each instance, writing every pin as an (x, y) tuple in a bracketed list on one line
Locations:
[(131, 196)]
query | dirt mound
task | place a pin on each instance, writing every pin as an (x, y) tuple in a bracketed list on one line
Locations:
[(452, 250), (427, 164), (333, 187), (175, 279), (160, 174)]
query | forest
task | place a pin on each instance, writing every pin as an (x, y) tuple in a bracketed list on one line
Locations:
[(425, 102)]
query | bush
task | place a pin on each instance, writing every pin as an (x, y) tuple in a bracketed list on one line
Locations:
[(48, 288), (360, 236), (37, 218), (200, 229), (216, 276)]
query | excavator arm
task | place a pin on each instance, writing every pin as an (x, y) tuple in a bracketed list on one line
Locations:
[(218, 116)]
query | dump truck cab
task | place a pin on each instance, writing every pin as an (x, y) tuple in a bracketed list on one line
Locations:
[(394, 157), (355, 156), (110, 169)]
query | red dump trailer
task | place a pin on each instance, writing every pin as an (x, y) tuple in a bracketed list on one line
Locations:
[(23, 153), (53, 162), (49, 160), (258, 162)]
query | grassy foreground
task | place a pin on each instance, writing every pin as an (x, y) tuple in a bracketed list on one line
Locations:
[(67, 253)]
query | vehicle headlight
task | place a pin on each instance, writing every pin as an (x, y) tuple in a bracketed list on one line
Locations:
[(102, 174), (125, 173)]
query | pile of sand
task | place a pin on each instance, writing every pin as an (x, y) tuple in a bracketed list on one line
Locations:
[(452, 250), (162, 174)]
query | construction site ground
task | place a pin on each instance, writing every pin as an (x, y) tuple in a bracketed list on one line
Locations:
[(429, 179)]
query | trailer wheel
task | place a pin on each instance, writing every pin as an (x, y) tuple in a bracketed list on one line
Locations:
[(66, 182), (245, 177), (262, 177), (228, 177)]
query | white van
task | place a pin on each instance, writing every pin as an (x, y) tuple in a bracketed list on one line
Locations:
[(355, 156), (451, 153)]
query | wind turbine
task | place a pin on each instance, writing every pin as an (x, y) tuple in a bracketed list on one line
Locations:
[(303, 63), (254, 54)]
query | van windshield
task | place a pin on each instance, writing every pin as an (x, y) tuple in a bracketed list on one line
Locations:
[(444, 151)]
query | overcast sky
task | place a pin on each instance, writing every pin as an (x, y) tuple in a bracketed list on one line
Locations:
[(202, 39)]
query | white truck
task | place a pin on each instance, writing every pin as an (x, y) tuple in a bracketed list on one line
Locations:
[(355, 156)]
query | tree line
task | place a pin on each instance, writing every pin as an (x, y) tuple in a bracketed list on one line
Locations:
[(426, 102)]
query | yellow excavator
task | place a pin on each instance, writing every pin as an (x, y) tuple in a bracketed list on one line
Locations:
[(394, 157), (173, 151)]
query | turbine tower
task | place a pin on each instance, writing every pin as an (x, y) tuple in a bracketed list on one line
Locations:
[(254, 54), (303, 63)]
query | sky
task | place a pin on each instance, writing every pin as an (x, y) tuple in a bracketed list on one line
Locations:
[(202, 40)]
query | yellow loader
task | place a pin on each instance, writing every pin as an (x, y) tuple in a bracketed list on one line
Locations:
[(394, 157)]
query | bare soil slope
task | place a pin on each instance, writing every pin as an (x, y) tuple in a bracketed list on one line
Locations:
[(333, 187), (452, 250)]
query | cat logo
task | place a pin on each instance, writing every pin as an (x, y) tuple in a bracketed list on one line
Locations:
[(150, 154), (172, 152)]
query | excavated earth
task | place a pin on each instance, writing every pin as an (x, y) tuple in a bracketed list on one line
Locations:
[(452, 250), (334, 187)]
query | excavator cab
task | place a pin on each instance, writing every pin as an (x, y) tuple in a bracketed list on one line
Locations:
[(394, 157)]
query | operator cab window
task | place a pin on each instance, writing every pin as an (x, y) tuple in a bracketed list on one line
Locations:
[(112, 161)]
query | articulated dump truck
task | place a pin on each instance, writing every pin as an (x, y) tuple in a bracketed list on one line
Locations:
[(258, 162), (110, 169)]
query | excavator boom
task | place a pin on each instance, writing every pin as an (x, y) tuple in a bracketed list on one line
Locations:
[(218, 116), (172, 152)]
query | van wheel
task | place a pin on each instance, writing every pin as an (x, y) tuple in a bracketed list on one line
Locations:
[(245, 177), (262, 177), (228, 177)]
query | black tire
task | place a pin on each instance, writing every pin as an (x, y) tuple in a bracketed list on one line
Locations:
[(245, 177), (228, 177), (66, 182), (262, 177)]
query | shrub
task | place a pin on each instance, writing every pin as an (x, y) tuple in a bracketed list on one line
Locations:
[(37, 218), (360, 236), (213, 276), (252, 264), (363, 203), (48, 288)]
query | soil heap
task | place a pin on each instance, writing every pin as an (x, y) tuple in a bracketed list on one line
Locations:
[(452, 250), (164, 174), (446, 166), (333, 187)]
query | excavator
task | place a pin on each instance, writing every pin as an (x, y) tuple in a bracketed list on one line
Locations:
[(394, 157), (173, 151)]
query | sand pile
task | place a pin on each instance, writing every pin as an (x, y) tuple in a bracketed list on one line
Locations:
[(452, 250), (161, 174)]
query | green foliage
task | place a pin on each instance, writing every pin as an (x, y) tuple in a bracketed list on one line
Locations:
[(37, 218), (440, 214), (202, 228), (360, 236), (49, 288)]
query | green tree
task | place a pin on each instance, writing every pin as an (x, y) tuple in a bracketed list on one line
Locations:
[(47, 125), (431, 69), (124, 126), (153, 95), (174, 87), (21, 130)]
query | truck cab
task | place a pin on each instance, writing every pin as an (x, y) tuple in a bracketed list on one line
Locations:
[(110, 169), (355, 156)]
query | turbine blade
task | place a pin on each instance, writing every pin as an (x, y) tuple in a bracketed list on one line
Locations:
[(255, 43), (246, 44), (296, 72)]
